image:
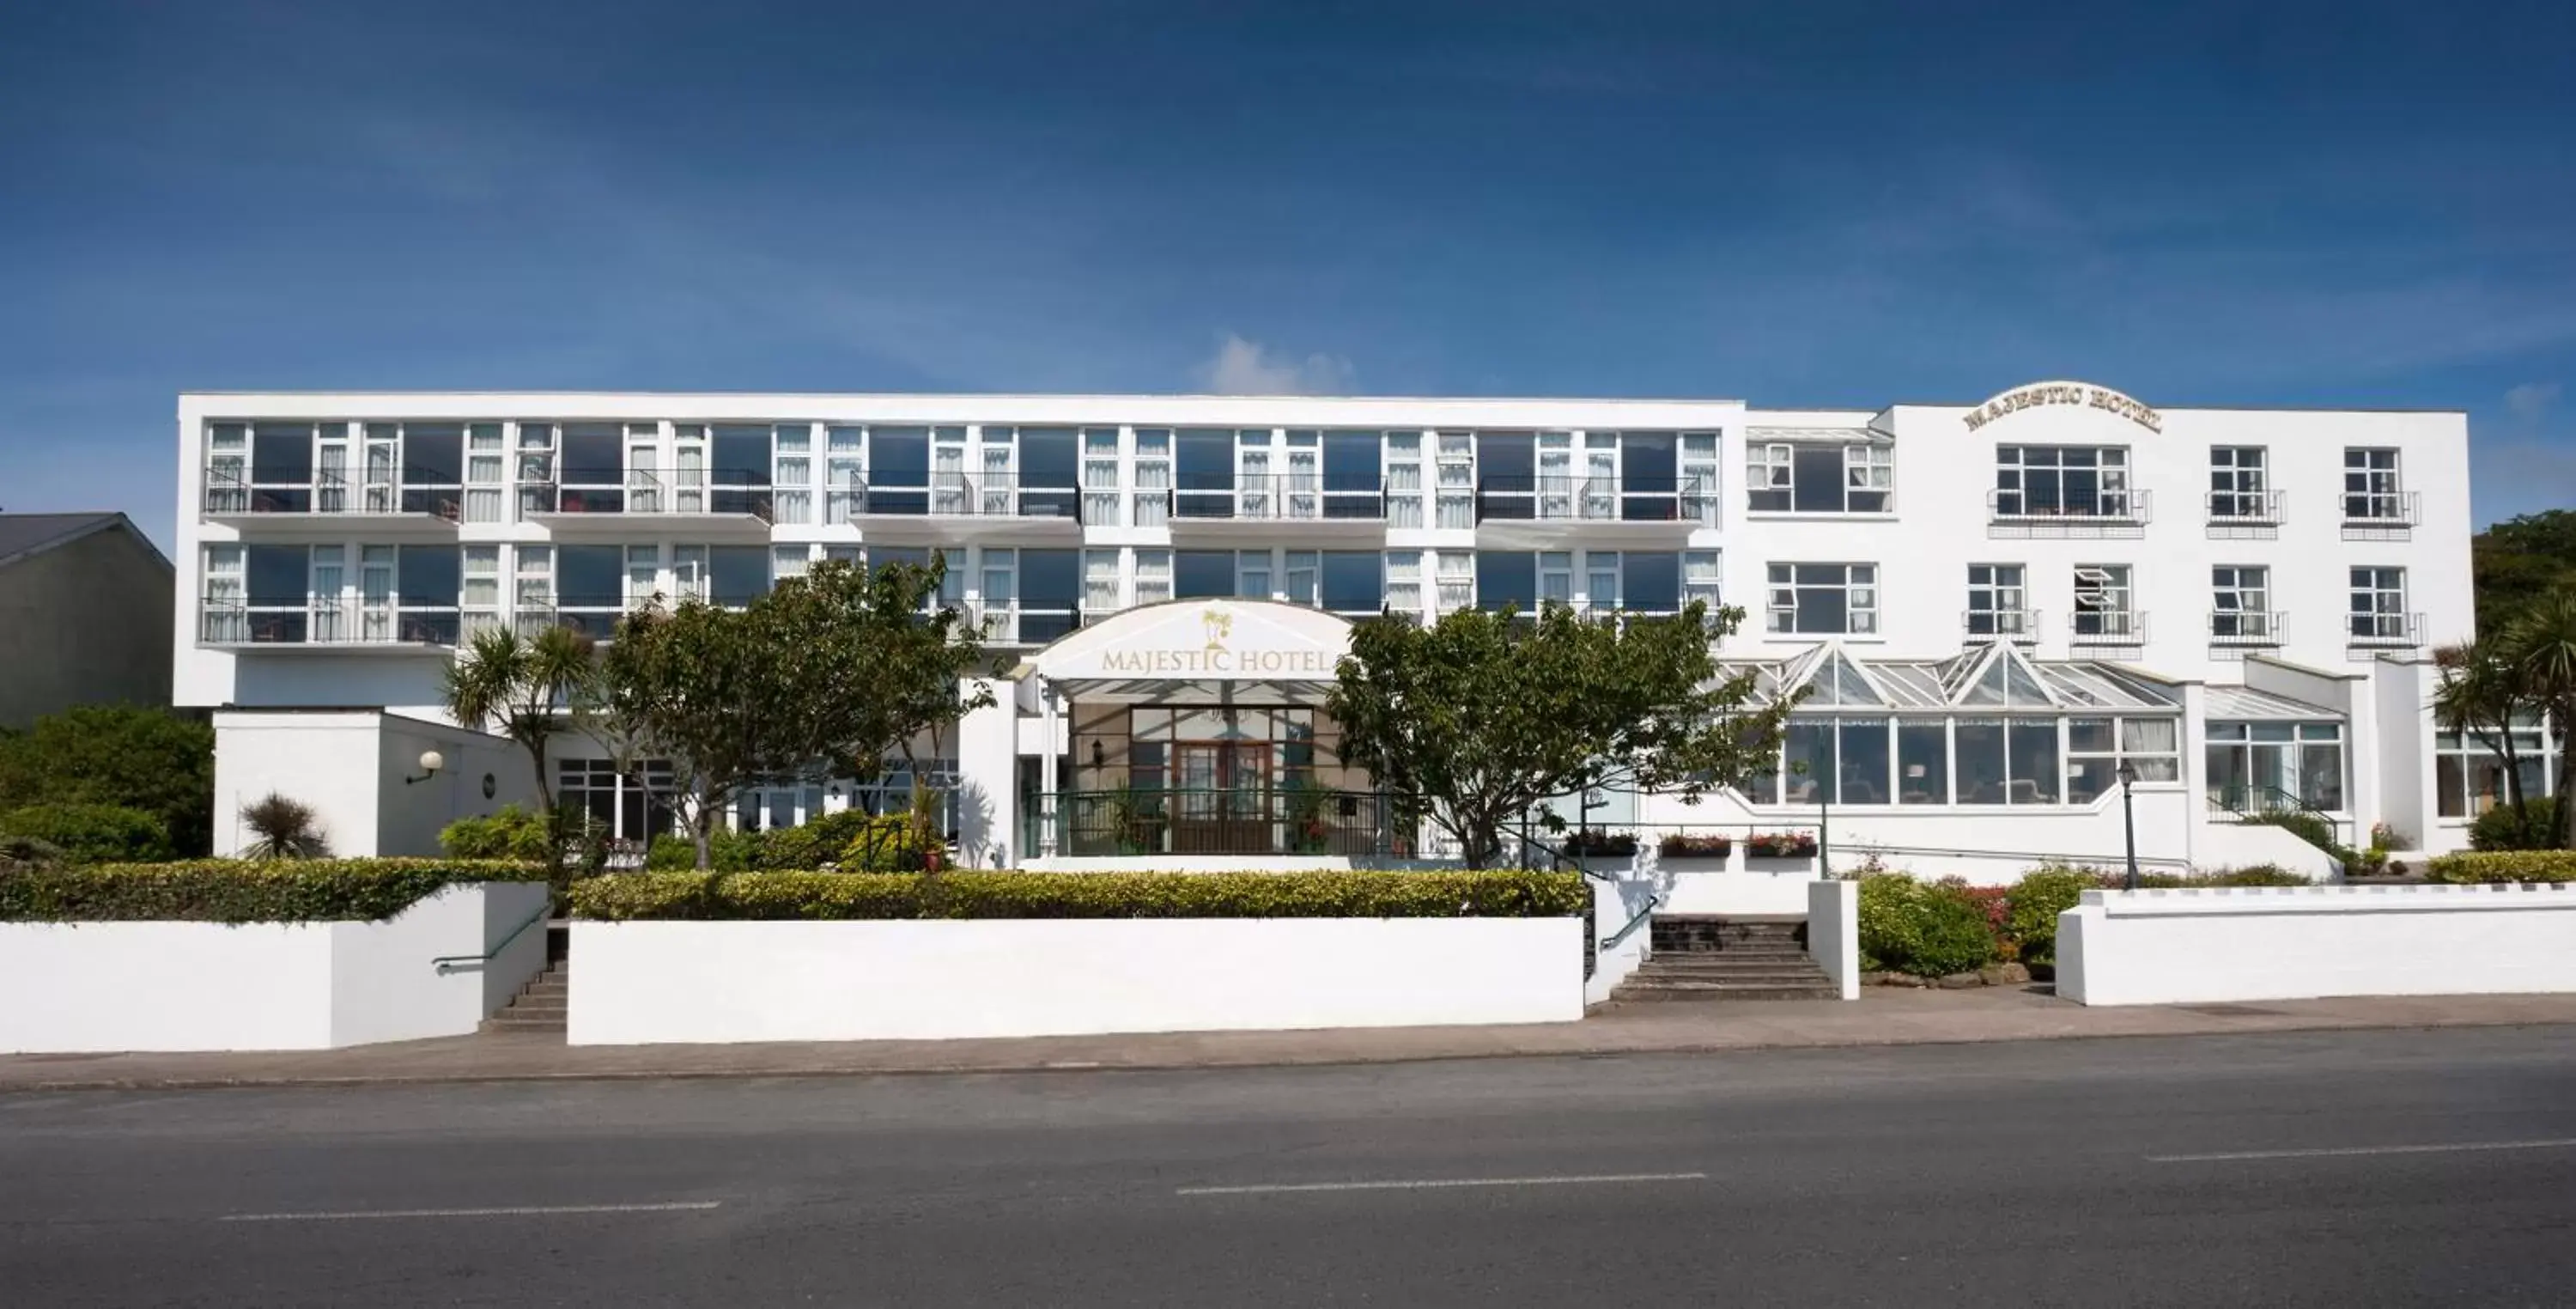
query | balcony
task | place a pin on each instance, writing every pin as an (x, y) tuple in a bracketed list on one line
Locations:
[(2372, 633), (1533, 511), (2381, 515), (953, 508), (610, 503), (1294, 504), (2246, 628), (2121, 513), (326, 504), (2242, 515), (2020, 626), (230, 623), (1009, 624), (592, 616), (2107, 629)]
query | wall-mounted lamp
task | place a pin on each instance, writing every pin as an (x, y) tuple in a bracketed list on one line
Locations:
[(1099, 754), (430, 762)]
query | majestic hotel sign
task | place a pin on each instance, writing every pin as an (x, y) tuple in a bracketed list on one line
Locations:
[(2063, 393), (1215, 639)]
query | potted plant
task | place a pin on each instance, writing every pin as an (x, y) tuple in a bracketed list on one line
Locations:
[(1307, 832), (1687, 845), (1781, 845), (1594, 843)]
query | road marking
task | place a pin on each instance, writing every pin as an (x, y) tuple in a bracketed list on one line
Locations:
[(1438, 1184), (510, 1211), (2553, 1143)]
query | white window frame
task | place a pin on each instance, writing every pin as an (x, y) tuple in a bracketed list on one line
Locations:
[(2374, 488), (1998, 601), (1860, 597), (2378, 606), (2115, 499), (2240, 603)]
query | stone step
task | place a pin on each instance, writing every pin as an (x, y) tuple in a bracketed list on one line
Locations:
[(546, 990), (1668, 992), (1760, 950), (1767, 974), (506, 1022), (524, 1005)]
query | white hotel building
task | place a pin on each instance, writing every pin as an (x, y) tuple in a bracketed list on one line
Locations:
[(1998, 604)]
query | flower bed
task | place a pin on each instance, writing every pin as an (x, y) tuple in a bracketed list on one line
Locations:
[(1684, 845)]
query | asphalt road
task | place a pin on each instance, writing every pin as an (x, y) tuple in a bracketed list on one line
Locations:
[(2313, 1168)]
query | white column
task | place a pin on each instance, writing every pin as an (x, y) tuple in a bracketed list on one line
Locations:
[(1051, 712)]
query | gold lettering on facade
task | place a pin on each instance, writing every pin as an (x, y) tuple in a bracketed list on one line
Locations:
[(2063, 393)]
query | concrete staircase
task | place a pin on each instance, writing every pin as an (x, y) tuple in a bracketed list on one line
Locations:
[(1700, 957), (540, 1006)]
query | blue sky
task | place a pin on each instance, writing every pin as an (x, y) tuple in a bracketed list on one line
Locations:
[(1821, 203)]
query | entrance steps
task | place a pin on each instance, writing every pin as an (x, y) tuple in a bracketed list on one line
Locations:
[(1743, 957), (543, 1005)]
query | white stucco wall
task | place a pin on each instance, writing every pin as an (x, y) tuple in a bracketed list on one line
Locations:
[(1833, 932), (647, 982), (68, 987), (2289, 943), (1615, 901), (350, 767)]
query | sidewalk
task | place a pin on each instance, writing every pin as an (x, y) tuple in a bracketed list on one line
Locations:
[(1883, 1016)]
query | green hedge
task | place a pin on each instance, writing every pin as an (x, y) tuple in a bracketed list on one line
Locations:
[(2502, 828), (91, 833), (239, 891), (2503, 866), (794, 895)]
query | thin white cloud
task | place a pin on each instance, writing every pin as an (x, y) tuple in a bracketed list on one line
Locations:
[(1241, 367), (2531, 399)]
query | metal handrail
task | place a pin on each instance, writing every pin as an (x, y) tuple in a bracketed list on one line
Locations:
[(443, 962), (1653, 903), (2271, 800)]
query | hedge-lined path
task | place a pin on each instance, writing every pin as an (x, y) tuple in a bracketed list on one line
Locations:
[(1883, 1016)]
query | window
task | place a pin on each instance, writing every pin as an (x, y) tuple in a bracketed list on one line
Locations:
[(1922, 761), (2241, 604), (225, 621), (1824, 599), (2048, 481), (1301, 573), (487, 466), (629, 807), (1100, 581), (2103, 597), (1650, 582), (1252, 574), (1354, 582), (2379, 607), (1153, 499), (534, 597), (1699, 477), (792, 472), (429, 583), (1506, 577), (788, 561), (2237, 488), (1203, 574), (688, 573), (1153, 576), (2469, 771), (1457, 490), (844, 474), (1404, 582), (737, 574), (2370, 489), (1556, 580), (2095, 747), (643, 575), (1457, 580), (1700, 577), (227, 468), (1404, 479), (2007, 761), (1818, 478), (1100, 476), (2255, 766), (1995, 596), (1600, 578)]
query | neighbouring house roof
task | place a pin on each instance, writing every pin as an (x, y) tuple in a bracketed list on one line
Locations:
[(25, 535)]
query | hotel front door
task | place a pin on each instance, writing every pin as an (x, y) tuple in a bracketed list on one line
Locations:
[(1223, 805)]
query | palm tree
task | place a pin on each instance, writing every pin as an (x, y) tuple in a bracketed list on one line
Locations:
[(2481, 693), (2541, 642), (525, 689), (284, 828)]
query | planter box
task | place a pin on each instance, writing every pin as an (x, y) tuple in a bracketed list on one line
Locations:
[(648, 982), (2301, 942), (167, 986)]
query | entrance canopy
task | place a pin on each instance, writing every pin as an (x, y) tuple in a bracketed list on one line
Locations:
[(1253, 652)]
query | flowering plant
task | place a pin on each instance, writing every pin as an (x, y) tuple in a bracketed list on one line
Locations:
[(1781, 845), (1683, 845)]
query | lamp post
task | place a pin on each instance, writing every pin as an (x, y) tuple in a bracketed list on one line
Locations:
[(2129, 820)]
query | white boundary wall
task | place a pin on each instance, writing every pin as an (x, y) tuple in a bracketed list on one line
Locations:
[(161, 986), (1614, 903), (2289, 943), (648, 982), (1833, 932)]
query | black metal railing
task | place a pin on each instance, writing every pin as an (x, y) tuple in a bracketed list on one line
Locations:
[(2000, 624), (951, 495), (2395, 631), (2108, 627), (1248, 821), (2252, 803), (225, 620), (418, 492), (2245, 508), (2382, 508), (2128, 505), (711, 491), (1685, 501), (2246, 627), (1270, 497)]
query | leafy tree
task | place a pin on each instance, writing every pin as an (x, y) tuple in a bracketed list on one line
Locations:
[(2520, 558), (526, 689), (2482, 690), (874, 662), (283, 829), (1482, 716), (148, 759), (2541, 643), (699, 686)]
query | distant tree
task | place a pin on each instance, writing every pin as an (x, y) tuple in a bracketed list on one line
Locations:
[(2481, 692), (525, 689), (701, 687), (149, 759), (2519, 559), (2541, 643), (1483, 716)]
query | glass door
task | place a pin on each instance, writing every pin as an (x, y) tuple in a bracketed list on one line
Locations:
[(376, 593), (1252, 474)]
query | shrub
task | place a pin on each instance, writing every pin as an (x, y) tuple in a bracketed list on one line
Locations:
[(511, 833), (91, 833), (891, 843), (2500, 828), (1927, 930), (2503, 866), (283, 829), (2036, 901), (155, 760), (239, 891), (786, 895), (26, 852), (2250, 875), (1682, 845)]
